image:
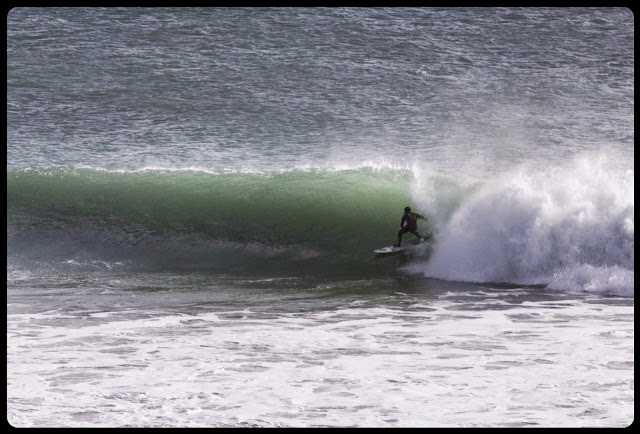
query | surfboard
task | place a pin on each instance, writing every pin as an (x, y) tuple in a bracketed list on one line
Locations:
[(390, 250)]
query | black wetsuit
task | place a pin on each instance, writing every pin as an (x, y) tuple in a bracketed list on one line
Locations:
[(411, 219)]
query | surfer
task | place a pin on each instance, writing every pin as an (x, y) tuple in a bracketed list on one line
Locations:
[(411, 219)]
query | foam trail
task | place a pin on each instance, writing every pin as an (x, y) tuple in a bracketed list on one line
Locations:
[(569, 227)]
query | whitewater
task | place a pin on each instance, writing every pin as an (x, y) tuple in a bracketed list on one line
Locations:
[(194, 197)]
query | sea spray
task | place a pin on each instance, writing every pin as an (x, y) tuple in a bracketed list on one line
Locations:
[(570, 227)]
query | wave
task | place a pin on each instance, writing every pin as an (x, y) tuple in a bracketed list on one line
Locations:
[(198, 218), (568, 227)]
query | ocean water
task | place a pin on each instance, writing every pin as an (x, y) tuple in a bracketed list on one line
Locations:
[(194, 197)]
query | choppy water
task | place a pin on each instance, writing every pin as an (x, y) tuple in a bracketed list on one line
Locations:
[(194, 196)]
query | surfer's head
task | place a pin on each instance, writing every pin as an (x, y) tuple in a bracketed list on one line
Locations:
[(407, 209)]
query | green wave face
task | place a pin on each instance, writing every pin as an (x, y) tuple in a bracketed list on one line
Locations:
[(186, 213)]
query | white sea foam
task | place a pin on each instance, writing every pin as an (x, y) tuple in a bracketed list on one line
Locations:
[(556, 364), (570, 227)]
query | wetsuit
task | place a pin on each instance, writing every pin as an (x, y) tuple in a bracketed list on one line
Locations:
[(411, 219)]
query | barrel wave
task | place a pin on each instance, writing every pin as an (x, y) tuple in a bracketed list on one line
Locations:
[(193, 218), (566, 227)]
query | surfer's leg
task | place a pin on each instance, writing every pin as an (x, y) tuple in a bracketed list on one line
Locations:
[(400, 232), (404, 230)]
